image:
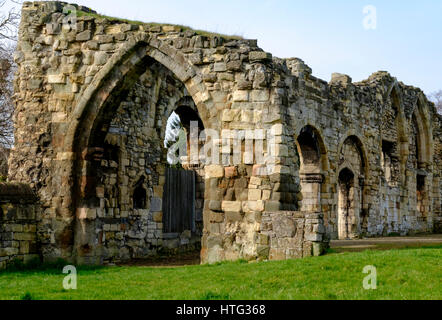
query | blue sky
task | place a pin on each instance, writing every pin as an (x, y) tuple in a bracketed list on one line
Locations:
[(327, 34)]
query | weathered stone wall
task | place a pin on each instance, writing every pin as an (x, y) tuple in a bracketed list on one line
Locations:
[(437, 186), (132, 155), (71, 81), (289, 235), (376, 111), (18, 229), (92, 105)]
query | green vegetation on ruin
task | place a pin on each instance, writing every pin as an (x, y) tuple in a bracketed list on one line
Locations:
[(402, 274), (155, 24)]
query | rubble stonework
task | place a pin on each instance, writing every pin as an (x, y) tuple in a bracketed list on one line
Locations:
[(92, 103), (18, 227)]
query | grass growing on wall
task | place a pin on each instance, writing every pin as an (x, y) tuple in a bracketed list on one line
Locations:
[(402, 274), (155, 24)]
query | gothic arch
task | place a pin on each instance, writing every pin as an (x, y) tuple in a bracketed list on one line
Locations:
[(322, 164), (352, 134), (400, 124), (353, 170), (421, 159), (139, 193), (119, 75), (104, 93), (425, 135), (347, 216), (313, 164), (128, 63), (396, 98)]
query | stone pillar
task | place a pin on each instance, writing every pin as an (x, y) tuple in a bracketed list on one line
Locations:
[(316, 241), (311, 185)]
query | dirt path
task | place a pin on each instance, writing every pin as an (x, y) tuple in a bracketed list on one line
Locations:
[(386, 243)]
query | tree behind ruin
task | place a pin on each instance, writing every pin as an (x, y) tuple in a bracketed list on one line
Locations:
[(436, 97), (8, 33)]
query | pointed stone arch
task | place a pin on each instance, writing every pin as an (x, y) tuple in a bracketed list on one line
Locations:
[(421, 166), (401, 142), (352, 174), (313, 164), (118, 75), (322, 153), (358, 140), (115, 79), (425, 136), (347, 224), (126, 63)]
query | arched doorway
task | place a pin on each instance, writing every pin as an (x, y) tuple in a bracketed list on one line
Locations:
[(121, 176), (418, 165), (347, 205), (394, 151), (352, 217), (312, 153), (394, 140), (184, 189)]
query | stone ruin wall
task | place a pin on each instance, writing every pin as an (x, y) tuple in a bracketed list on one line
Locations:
[(375, 110), (437, 187), (133, 153), (18, 230), (91, 108)]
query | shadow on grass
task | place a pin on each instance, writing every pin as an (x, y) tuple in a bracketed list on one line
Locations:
[(36, 266), (430, 246), (384, 247), (49, 268)]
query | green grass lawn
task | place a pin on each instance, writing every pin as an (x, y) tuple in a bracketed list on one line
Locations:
[(402, 274)]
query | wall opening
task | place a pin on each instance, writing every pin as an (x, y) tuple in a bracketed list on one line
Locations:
[(394, 143), (421, 197), (346, 216), (353, 165), (140, 195), (309, 150), (120, 215), (310, 154), (417, 164), (390, 162), (184, 189)]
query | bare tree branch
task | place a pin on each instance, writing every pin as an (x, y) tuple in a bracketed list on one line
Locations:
[(9, 21), (436, 97), (7, 69)]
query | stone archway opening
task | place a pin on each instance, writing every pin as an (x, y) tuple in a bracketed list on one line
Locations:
[(311, 152), (353, 209), (346, 209), (140, 196), (418, 163), (124, 180), (422, 198), (184, 189)]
